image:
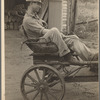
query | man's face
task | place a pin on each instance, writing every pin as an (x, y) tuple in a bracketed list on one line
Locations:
[(36, 6)]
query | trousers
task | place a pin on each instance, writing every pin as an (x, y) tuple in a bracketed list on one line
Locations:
[(67, 43)]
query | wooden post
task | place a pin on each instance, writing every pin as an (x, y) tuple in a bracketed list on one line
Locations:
[(72, 16), (44, 11), (68, 16)]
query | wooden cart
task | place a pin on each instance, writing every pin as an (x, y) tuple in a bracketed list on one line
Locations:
[(45, 79)]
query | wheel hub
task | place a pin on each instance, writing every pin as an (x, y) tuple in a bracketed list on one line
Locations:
[(43, 87)]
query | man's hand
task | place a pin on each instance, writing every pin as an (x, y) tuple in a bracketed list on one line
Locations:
[(44, 24)]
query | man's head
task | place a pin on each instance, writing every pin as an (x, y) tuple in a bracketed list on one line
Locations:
[(35, 5)]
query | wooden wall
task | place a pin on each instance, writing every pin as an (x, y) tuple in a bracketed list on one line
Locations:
[(9, 4), (55, 13), (58, 14)]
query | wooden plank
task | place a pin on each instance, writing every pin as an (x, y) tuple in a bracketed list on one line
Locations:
[(63, 62), (73, 16), (95, 20), (83, 71), (71, 19), (45, 7), (46, 17), (44, 11)]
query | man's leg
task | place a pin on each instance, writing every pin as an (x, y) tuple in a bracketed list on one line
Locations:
[(55, 36), (80, 48)]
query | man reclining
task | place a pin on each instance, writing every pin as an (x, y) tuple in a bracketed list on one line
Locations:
[(35, 28)]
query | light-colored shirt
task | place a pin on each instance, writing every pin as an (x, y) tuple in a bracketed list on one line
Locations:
[(33, 25)]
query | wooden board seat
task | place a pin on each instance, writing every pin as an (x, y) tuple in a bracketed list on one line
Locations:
[(41, 47)]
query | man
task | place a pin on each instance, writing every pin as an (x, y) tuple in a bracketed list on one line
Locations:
[(35, 28)]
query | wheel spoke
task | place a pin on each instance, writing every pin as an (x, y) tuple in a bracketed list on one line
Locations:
[(50, 76), (46, 96), (30, 91), (35, 95), (31, 85), (37, 74), (44, 72), (52, 95), (32, 78), (54, 83), (41, 95), (55, 90)]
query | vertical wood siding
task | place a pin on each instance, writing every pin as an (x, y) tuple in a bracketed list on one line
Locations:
[(64, 15), (9, 4)]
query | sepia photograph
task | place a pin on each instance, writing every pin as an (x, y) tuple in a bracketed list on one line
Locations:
[(50, 49)]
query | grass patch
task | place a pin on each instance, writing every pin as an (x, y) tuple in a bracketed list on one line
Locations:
[(87, 10)]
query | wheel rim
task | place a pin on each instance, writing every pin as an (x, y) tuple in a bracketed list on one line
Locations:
[(42, 82)]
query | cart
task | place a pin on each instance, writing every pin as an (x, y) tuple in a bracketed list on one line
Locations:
[(44, 79)]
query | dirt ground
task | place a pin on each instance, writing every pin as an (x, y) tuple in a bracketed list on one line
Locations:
[(17, 61)]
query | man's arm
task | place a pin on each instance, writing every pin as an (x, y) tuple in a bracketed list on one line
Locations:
[(44, 31), (33, 26)]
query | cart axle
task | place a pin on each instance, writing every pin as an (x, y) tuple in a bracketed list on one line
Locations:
[(67, 63)]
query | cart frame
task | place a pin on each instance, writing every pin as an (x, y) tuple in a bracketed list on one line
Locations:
[(44, 62)]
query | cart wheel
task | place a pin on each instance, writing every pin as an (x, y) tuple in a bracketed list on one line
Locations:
[(42, 82)]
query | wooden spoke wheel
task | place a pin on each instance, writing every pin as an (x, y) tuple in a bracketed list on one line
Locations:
[(42, 82)]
